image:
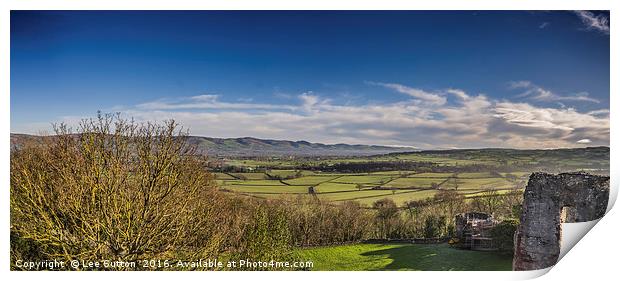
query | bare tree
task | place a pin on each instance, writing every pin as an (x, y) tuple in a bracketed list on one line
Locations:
[(115, 189)]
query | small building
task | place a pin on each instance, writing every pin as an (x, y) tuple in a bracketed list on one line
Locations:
[(473, 231)]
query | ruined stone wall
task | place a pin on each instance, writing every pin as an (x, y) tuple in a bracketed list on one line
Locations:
[(537, 241)]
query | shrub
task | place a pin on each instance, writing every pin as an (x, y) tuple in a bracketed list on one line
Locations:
[(433, 226), (266, 237), (503, 234), (387, 217), (314, 223)]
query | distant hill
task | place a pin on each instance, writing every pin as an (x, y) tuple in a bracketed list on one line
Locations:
[(262, 147), (588, 159), (258, 147)]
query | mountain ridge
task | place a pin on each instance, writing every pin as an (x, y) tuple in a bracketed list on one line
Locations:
[(251, 146)]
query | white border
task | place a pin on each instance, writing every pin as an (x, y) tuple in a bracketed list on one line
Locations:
[(595, 256), (310, 5)]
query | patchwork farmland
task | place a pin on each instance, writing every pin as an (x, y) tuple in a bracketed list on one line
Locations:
[(401, 177), (400, 186)]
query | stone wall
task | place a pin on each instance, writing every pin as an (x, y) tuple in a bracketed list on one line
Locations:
[(583, 197)]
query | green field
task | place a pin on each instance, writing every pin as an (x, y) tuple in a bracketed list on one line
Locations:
[(414, 182), (403, 257), (431, 175), (223, 176), (287, 174), (310, 180), (335, 187), (235, 182), (249, 176), (364, 179), (479, 184), (275, 189), (355, 195)]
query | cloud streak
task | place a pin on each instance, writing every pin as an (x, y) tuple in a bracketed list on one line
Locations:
[(594, 22), (432, 98), (538, 93), (207, 102)]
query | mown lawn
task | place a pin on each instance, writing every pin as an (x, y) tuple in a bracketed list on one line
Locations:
[(440, 257)]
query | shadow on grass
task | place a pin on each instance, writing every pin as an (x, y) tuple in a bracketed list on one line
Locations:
[(440, 258)]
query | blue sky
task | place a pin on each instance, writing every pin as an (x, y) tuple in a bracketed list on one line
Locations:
[(424, 79)]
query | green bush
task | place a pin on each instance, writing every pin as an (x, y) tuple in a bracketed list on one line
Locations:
[(433, 226), (503, 234)]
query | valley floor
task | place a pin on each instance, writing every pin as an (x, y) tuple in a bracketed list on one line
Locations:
[(366, 188)]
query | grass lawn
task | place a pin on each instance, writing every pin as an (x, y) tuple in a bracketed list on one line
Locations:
[(403, 257)]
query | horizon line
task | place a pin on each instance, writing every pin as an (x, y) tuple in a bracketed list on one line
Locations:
[(415, 149)]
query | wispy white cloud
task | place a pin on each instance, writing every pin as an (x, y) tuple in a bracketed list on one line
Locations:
[(599, 112), (543, 25), (584, 141), (458, 93), (206, 102), (205, 98), (535, 92), (429, 97), (549, 125), (594, 22)]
